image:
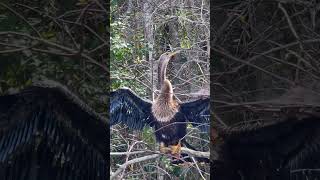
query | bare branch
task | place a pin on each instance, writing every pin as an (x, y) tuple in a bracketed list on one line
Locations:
[(122, 167)]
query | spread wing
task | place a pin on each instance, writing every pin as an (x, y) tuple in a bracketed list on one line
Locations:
[(128, 108), (292, 144), (47, 108), (198, 113)]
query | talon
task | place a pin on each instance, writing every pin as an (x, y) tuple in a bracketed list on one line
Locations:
[(163, 149), (176, 150)]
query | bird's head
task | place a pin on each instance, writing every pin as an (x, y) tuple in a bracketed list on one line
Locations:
[(167, 56), (163, 62)]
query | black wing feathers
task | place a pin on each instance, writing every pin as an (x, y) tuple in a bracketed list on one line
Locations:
[(198, 113), (128, 108), (294, 143), (289, 149), (33, 106)]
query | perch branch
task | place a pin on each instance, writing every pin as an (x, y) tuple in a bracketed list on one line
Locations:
[(126, 153), (185, 150), (140, 159), (195, 153), (122, 167)]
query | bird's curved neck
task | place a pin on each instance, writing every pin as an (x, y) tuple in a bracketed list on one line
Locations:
[(162, 68), (165, 107), (166, 92)]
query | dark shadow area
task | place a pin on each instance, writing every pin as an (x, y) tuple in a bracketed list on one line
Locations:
[(53, 89), (265, 89)]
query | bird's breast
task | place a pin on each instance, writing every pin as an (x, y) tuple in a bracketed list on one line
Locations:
[(164, 112)]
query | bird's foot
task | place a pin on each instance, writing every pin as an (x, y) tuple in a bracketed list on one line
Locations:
[(176, 150), (164, 149)]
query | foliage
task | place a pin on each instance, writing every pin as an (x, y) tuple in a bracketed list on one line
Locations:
[(173, 26)]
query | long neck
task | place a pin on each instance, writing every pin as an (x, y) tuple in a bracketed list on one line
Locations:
[(166, 92), (166, 87), (162, 68)]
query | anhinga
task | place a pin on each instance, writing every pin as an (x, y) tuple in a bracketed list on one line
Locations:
[(289, 149), (165, 114), (45, 124)]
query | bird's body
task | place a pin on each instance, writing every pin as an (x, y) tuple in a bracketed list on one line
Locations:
[(168, 117), (164, 108), (171, 132), (169, 124)]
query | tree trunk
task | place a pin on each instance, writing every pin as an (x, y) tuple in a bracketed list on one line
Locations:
[(148, 31)]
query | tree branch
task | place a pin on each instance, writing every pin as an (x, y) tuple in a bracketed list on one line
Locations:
[(194, 153), (185, 150), (140, 159), (190, 152)]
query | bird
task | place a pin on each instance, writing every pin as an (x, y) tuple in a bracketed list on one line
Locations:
[(165, 114), (46, 123), (284, 149)]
